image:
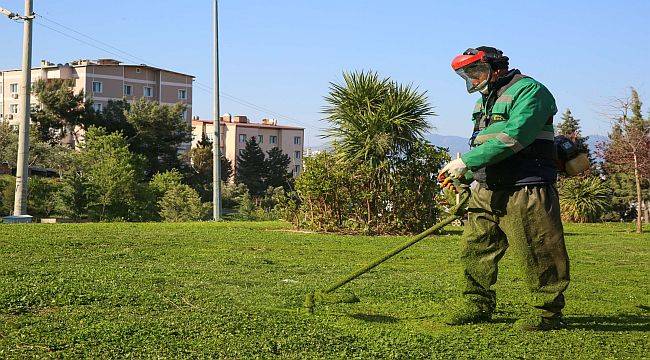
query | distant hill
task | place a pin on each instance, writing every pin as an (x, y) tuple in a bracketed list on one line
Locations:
[(455, 144)]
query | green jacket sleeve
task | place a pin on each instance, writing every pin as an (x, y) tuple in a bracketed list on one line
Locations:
[(532, 106)]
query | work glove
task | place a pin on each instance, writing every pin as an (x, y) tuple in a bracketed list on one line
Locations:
[(454, 170)]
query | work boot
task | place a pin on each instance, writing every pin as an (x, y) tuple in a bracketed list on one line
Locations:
[(540, 324), (469, 313)]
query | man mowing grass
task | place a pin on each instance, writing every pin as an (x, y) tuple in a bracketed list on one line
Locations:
[(515, 203)]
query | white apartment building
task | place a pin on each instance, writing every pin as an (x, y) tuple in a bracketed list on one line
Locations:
[(236, 130)]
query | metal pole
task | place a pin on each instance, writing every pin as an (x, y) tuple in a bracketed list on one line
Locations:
[(216, 144), (22, 164)]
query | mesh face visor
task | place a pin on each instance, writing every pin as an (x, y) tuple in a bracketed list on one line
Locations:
[(476, 76)]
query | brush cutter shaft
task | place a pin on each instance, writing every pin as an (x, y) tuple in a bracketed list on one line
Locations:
[(398, 249)]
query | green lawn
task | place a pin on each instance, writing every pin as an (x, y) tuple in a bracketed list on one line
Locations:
[(233, 290)]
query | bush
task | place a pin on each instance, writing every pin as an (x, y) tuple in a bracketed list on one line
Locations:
[(380, 178), (111, 174), (334, 197), (583, 199), (42, 198), (232, 195), (182, 203), (72, 199), (7, 189)]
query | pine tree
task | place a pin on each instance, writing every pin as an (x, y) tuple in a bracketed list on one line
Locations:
[(160, 130), (201, 159), (204, 142), (252, 168), (277, 165), (60, 111), (570, 127), (199, 172)]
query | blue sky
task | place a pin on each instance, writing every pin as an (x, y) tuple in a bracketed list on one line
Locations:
[(280, 56)]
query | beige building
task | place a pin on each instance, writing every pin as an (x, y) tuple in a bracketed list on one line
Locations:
[(102, 80), (236, 130)]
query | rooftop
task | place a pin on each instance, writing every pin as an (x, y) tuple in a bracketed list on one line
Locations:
[(99, 62), (240, 120)]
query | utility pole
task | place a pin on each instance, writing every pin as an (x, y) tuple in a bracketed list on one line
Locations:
[(22, 163), (216, 144)]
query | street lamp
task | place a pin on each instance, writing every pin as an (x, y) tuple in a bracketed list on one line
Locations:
[(22, 163), (216, 144)]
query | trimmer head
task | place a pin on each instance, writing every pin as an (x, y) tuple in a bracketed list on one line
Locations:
[(347, 297)]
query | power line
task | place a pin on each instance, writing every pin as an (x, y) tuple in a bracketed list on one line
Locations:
[(135, 57), (80, 40), (122, 53)]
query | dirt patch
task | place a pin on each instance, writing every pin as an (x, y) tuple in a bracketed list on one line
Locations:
[(47, 310)]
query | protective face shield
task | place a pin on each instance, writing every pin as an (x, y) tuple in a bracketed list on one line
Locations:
[(476, 76)]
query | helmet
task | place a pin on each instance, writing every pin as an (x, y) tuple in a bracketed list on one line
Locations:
[(476, 66)]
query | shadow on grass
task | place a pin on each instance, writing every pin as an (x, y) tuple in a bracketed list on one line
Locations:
[(626, 322), (375, 318)]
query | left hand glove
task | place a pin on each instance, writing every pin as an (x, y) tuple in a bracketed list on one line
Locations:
[(455, 168)]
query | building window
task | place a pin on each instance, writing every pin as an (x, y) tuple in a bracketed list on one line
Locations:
[(297, 154), (13, 109), (148, 91), (128, 90), (242, 138), (97, 87), (296, 169), (273, 139), (97, 107), (296, 140), (137, 70), (13, 88), (182, 94), (260, 139)]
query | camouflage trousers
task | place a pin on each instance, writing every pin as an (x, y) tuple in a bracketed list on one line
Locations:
[(528, 220)]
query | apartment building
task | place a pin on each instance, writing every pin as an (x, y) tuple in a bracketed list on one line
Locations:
[(102, 80), (236, 130)]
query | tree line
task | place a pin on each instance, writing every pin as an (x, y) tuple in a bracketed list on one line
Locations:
[(617, 186), (379, 176), (124, 163)]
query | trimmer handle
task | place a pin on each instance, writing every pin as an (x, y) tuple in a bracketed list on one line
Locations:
[(462, 193)]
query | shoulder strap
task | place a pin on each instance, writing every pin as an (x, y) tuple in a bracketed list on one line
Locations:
[(507, 98)]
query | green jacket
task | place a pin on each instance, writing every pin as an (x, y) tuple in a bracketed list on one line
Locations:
[(517, 126)]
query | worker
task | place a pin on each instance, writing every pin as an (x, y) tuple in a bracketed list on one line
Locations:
[(515, 202)]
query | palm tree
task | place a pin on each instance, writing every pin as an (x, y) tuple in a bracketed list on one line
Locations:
[(583, 199), (374, 122), (373, 119)]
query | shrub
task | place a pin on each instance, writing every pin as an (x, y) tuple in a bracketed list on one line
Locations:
[(72, 197), (42, 201), (231, 195), (111, 174), (181, 203), (380, 178), (583, 199), (7, 189)]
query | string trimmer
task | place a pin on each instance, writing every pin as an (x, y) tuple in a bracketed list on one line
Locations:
[(327, 295)]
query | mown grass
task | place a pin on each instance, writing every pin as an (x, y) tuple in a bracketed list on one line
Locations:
[(233, 290)]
